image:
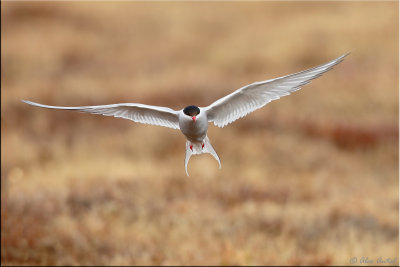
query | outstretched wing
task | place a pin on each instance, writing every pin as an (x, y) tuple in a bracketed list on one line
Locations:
[(147, 114), (256, 95)]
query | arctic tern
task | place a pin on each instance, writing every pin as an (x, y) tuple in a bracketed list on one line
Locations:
[(193, 120)]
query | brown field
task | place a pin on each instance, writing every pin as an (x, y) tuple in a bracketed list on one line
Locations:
[(311, 179)]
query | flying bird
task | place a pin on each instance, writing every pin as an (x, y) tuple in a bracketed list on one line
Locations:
[(193, 121)]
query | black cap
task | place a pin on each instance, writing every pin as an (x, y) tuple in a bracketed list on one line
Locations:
[(191, 110)]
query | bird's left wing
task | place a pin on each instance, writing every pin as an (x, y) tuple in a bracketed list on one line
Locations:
[(256, 95), (147, 114)]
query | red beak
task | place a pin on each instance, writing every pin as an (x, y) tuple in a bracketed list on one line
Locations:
[(194, 118)]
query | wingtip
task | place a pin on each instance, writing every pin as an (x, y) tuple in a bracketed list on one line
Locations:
[(348, 53), (29, 102), (339, 59)]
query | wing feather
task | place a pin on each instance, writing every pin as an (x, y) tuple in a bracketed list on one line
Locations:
[(256, 95), (141, 113)]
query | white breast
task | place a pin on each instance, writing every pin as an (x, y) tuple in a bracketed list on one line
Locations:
[(194, 131)]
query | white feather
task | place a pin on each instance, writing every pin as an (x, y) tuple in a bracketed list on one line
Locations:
[(256, 95), (147, 114)]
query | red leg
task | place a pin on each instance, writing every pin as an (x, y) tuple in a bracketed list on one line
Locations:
[(191, 147), (202, 146)]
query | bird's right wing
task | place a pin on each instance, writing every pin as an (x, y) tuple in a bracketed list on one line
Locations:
[(147, 114)]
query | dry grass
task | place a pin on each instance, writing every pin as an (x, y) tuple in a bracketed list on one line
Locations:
[(311, 179)]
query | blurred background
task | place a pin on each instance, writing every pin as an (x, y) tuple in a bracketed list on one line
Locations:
[(310, 179)]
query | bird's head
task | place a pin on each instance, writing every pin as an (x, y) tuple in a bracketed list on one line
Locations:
[(192, 111)]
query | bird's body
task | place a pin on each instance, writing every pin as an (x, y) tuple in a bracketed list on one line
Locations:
[(193, 121), (194, 130)]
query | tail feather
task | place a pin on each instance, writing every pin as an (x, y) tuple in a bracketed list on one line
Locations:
[(198, 149)]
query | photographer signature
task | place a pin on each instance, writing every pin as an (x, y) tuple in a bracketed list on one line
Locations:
[(366, 260)]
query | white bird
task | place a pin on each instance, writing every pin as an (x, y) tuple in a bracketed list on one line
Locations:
[(193, 121)]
